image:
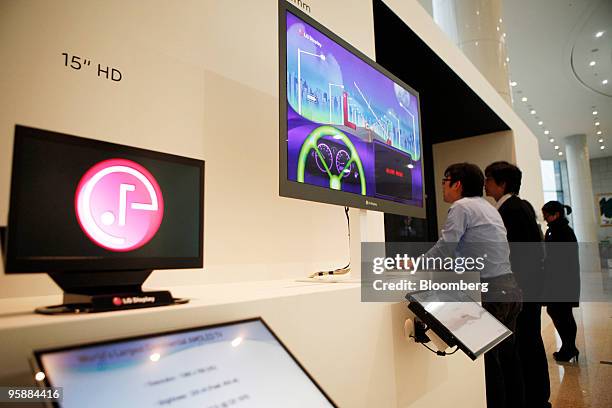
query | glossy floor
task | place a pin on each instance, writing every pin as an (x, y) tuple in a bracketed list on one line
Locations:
[(589, 382)]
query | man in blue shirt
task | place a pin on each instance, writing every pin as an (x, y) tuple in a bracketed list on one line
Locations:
[(472, 226)]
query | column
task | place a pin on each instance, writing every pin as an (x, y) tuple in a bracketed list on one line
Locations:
[(476, 27), (581, 188)]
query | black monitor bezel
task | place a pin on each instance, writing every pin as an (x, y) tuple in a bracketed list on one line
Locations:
[(17, 265), (294, 189), (445, 334), (39, 365)]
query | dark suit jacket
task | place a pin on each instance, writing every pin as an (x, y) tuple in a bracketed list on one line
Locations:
[(562, 266), (526, 248)]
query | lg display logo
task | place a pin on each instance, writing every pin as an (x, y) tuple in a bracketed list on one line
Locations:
[(119, 205)]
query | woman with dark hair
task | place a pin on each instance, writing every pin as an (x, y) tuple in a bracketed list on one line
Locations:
[(562, 270)]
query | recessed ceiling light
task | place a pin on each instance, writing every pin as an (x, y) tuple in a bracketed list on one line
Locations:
[(600, 140), (594, 112), (524, 99), (551, 140), (507, 59), (592, 63), (540, 123), (605, 81), (602, 147), (596, 123), (504, 34), (560, 153), (556, 147), (533, 112), (599, 34), (546, 132), (599, 132), (501, 21), (513, 83), (497, 28)]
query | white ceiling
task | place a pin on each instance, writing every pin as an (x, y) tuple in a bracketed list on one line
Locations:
[(550, 44)]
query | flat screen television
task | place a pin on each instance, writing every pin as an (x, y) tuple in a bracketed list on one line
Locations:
[(349, 129), (213, 366), (98, 215)]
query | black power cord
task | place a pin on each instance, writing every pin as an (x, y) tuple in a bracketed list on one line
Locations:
[(346, 269), (420, 337)]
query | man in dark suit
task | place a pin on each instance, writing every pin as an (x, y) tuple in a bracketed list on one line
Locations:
[(503, 182)]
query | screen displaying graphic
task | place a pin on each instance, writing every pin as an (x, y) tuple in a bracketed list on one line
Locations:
[(349, 126), (119, 204), (77, 200), (469, 322), (234, 365)]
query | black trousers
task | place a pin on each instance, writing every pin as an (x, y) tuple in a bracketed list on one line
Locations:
[(563, 318), (503, 372), (533, 356)]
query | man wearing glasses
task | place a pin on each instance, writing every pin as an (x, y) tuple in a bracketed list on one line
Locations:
[(474, 228)]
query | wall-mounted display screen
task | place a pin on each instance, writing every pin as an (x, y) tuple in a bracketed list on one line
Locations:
[(350, 130), (86, 205), (241, 364)]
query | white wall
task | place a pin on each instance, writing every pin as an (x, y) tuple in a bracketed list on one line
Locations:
[(200, 78)]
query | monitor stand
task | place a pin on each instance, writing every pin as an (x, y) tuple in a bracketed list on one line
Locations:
[(105, 291)]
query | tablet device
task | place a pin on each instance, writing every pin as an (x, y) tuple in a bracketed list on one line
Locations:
[(237, 364), (458, 320)]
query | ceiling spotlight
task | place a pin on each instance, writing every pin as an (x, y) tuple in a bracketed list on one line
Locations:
[(507, 59), (540, 123), (602, 147), (546, 132), (501, 21), (533, 112), (599, 34), (599, 132), (551, 140), (513, 83), (592, 63), (560, 153), (605, 81), (596, 123), (556, 147), (594, 112), (600, 140), (524, 99)]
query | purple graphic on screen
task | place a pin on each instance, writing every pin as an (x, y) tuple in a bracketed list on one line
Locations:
[(374, 147)]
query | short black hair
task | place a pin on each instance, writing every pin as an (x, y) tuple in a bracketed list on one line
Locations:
[(469, 175), (504, 172), (553, 207)]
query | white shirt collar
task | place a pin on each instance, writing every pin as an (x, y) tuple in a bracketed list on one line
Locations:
[(502, 200)]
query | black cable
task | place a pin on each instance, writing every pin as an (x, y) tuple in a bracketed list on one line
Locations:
[(438, 352), (345, 269), (348, 224)]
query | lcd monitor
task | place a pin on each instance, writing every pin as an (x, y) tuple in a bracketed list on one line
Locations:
[(238, 364), (458, 320), (349, 129), (101, 213)]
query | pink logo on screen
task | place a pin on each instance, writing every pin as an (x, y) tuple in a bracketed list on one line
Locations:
[(119, 205)]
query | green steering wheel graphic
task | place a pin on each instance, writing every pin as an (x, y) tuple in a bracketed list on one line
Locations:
[(335, 181)]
